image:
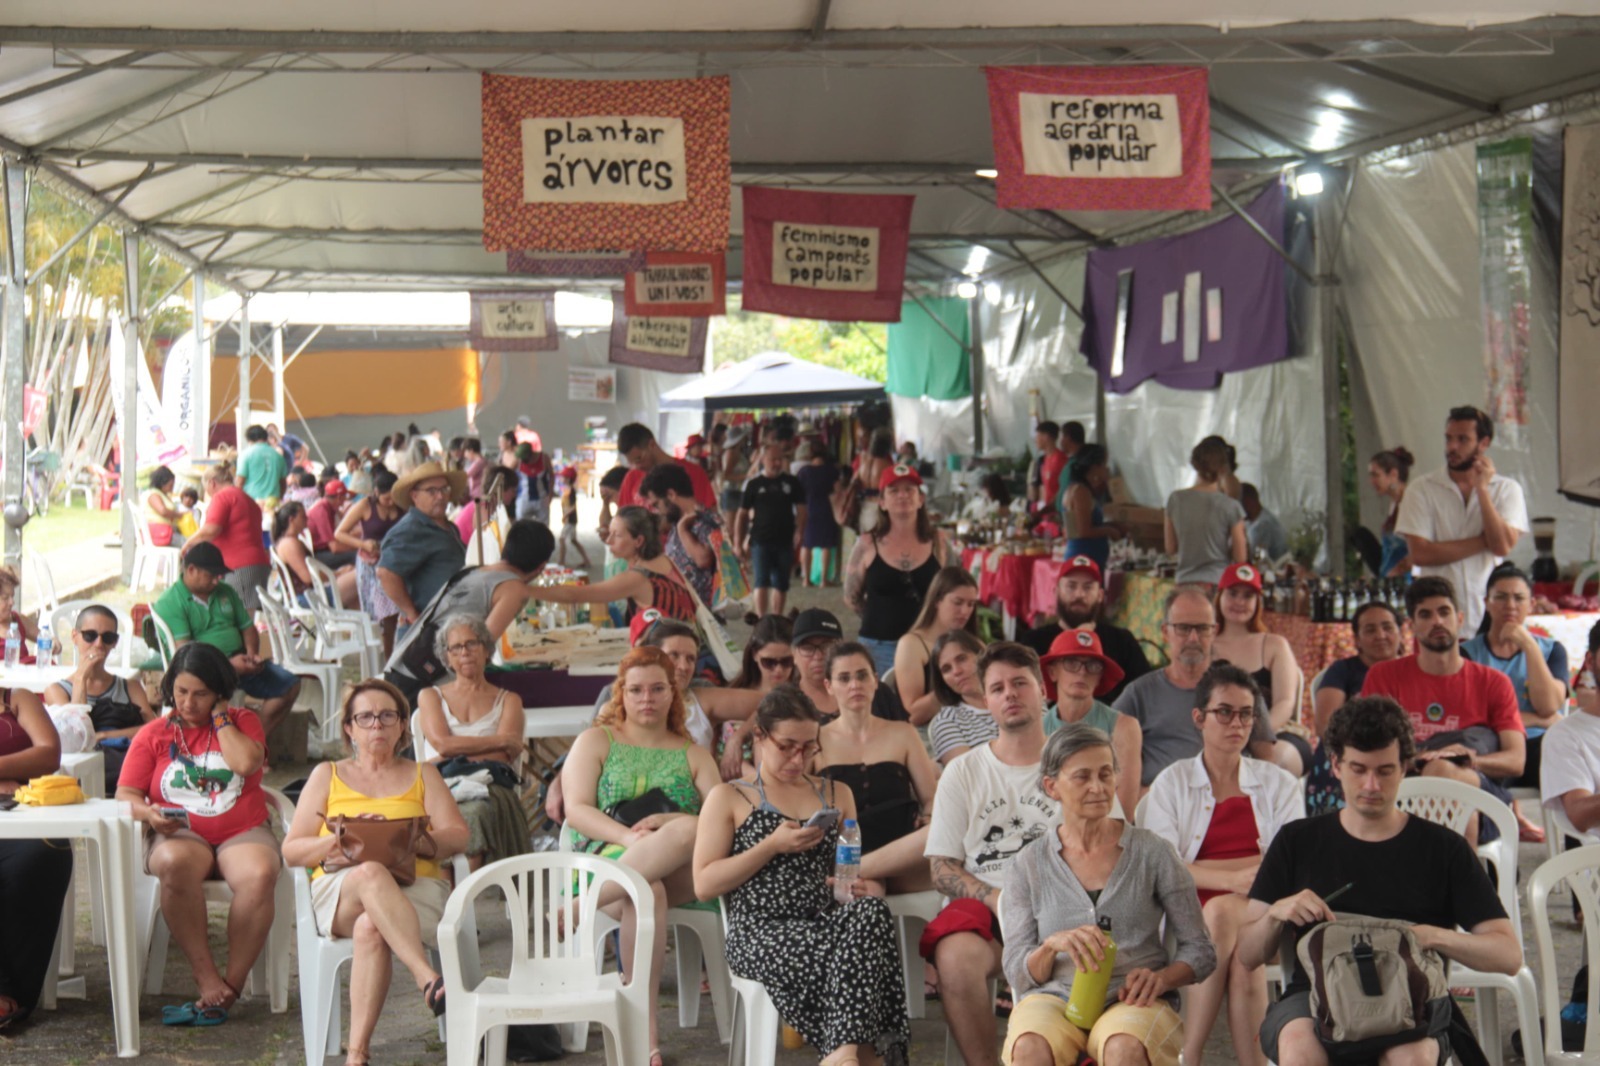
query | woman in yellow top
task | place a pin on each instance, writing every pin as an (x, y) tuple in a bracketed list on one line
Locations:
[(364, 902), (160, 513)]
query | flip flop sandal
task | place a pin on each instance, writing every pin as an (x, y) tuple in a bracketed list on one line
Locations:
[(181, 1014), (433, 995), (207, 1016)]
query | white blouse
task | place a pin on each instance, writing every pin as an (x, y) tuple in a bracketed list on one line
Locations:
[(1180, 802)]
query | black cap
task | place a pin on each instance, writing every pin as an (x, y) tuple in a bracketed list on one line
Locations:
[(816, 622), (206, 556)]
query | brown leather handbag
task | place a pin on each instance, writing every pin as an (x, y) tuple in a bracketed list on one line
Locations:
[(394, 843)]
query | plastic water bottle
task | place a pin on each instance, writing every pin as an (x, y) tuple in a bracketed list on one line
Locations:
[(13, 646), (1089, 987), (846, 861), (44, 647)]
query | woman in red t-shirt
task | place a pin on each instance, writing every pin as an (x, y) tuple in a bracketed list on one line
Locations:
[(194, 780), (8, 595)]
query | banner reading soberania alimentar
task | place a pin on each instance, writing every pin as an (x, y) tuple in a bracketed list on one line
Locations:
[(1101, 138), (581, 165), (825, 255)]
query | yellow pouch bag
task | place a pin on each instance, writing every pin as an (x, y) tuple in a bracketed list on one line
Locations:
[(53, 790)]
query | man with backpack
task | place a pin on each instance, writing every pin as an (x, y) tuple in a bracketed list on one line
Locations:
[(1373, 861)]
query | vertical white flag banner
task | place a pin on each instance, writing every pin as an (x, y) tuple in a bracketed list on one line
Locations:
[(185, 403), (154, 445)]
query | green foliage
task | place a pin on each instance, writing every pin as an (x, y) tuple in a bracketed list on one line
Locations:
[(856, 347)]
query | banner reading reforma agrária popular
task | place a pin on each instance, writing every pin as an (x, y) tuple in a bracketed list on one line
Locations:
[(1101, 138), (825, 255), (579, 165)]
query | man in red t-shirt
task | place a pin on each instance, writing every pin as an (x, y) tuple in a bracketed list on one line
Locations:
[(1444, 693), (322, 519), (637, 446), (233, 523), (1052, 462)]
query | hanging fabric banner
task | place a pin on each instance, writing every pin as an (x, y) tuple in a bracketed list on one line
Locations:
[(1128, 138), (34, 404), (680, 284), (575, 165), (1185, 310), (514, 321), (674, 344), (587, 384), (570, 265), (154, 444), (825, 255), (186, 405), (1505, 235), (1579, 436), (924, 359)]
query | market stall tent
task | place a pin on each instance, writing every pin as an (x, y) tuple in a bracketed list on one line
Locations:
[(771, 379)]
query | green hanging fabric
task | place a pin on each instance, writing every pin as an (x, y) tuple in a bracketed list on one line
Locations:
[(923, 360)]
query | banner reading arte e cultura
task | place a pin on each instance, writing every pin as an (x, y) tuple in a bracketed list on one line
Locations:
[(514, 321)]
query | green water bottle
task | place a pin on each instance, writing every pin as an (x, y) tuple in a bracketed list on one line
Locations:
[(1089, 987)]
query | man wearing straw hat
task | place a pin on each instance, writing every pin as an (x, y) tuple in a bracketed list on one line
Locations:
[(423, 549)]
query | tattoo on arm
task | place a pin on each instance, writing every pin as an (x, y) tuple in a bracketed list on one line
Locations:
[(951, 879)]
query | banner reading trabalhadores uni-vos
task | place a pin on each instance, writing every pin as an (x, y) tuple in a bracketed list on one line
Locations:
[(1101, 138), (573, 166), (826, 255)]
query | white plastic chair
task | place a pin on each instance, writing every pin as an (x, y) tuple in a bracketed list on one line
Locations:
[(550, 980), (286, 655), (153, 566), (271, 971), (912, 911), (41, 580), (1579, 869), (1450, 804), (341, 633), (65, 618), (166, 643), (706, 945)]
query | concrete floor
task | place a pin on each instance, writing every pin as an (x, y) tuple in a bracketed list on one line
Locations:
[(80, 1031)]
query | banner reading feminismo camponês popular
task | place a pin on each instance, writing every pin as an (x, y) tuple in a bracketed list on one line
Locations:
[(579, 165), (514, 321), (1128, 138), (825, 255), (672, 343), (680, 284)]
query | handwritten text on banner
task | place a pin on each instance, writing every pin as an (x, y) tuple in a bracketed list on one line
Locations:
[(1101, 136), (678, 284), (837, 258), (513, 321), (604, 159)]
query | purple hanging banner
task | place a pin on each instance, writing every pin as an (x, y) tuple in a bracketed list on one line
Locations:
[(574, 264), (1193, 307)]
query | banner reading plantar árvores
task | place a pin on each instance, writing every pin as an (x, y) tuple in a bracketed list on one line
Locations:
[(1101, 138), (825, 255), (1505, 233), (580, 165)]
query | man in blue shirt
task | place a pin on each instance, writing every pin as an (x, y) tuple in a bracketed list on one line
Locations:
[(423, 549)]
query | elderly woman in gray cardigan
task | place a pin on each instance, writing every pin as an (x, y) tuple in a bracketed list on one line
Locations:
[(1091, 867)]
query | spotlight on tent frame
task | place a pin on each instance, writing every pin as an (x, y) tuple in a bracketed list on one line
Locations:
[(967, 289), (987, 172), (1308, 182)]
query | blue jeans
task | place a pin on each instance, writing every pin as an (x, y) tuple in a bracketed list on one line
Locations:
[(882, 653), (771, 565)]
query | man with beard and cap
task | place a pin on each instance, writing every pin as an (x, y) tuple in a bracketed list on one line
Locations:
[(1462, 520), (1464, 715), (1162, 701), (668, 493), (1080, 604)]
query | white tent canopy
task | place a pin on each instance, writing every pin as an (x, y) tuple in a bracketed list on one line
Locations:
[(771, 379)]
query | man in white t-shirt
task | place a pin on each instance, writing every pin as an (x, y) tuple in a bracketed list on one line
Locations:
[(1461, 520), (989, 806), (1569, 770)]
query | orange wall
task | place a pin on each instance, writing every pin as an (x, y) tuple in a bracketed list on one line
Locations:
[(364, 382)]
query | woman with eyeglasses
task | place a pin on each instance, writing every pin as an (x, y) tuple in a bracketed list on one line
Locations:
[(364, 903), (633, 786), (1077, 671), (117, 707), (766, 847), (951, 604), (194, 779), (887, 769), (1221, 811), (468, 722)]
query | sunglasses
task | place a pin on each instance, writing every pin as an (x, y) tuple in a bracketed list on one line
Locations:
[(107, 638), (785, 662)]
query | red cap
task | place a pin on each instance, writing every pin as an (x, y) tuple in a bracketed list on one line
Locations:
[(1240, 574), (334, 487), (899, 472), (1080, 644), (694, 440), (641, 625), (1080, 562)]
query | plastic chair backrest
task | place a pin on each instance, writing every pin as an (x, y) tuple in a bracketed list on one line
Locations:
[(1450, 804), (65, 618), (1579, 869), (533, 885), (166, 643), (419, 743)]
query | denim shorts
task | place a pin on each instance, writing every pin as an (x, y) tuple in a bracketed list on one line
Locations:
[(771, 565)]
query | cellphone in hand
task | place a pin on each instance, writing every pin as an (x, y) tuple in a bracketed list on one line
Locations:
[(175, 814), (825, 819)]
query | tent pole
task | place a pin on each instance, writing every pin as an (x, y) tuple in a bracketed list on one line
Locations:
[(1325, 229), (130, 397), (280, 413), (246, 351), (14, 348), (975, 355), (1233, 205), (1031, 265)]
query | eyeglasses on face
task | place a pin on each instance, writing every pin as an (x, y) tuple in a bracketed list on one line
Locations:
[(788, 749), (813, 650), (1092, 667), (780, 662), (1228, 716), (464, 647), (1192, 629), (374, 719), (107, 637)]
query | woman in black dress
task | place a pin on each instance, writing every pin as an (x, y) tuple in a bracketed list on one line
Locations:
[(833, 971)]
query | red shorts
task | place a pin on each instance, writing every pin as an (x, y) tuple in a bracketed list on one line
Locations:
[(958, 916)]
